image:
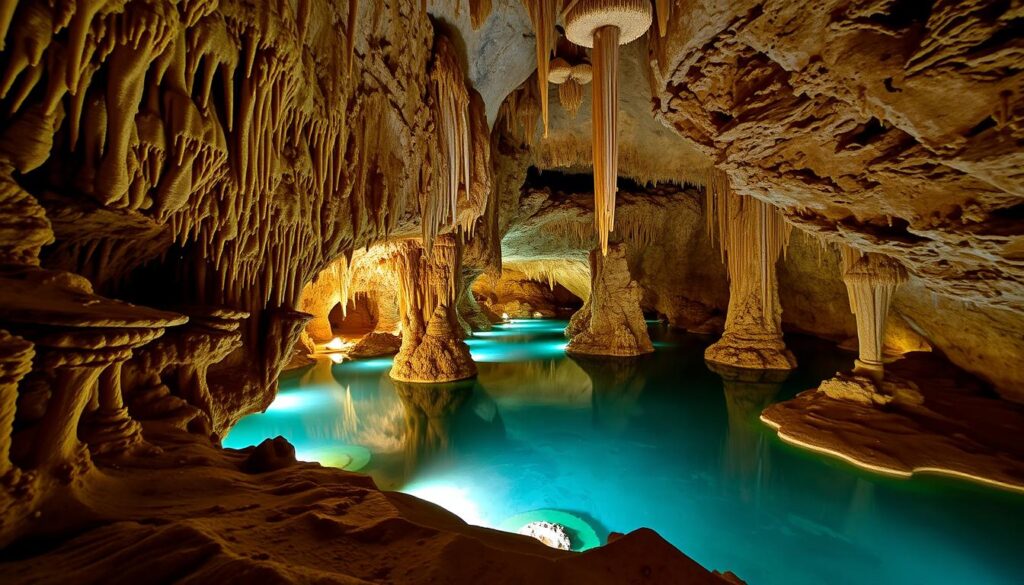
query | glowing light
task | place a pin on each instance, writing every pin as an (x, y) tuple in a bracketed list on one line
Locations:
[(537, 315), (336, 344), (452, 498), (368, 365), (504, 317), (299, 400), (336, 357)]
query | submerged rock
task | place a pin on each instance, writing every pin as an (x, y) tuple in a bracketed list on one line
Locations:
[(549, 533)]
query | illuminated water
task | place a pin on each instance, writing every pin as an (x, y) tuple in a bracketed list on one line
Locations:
[(661, 442)]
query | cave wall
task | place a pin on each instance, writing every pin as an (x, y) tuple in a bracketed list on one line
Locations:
[(840, 114)]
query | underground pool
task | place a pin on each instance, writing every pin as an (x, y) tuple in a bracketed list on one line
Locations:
[(609, 445)]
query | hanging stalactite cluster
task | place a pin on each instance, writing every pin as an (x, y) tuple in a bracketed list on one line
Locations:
[(572, 274), (751, 236), (570, 79), (520, 112), (452, 167)]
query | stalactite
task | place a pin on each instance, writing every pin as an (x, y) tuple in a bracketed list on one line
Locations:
[(579, 234), (663, 8), (452, 167), (604, 26), (479, 10), (570, 80), (605, 130), (543, 14), (350, 33), (572, 274)]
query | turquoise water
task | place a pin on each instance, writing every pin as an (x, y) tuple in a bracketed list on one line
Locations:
[(659, 441)]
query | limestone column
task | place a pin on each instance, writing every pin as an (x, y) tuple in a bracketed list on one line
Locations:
[(15, 361), (752, 236), (79, 358), (432, 348), (871, 283), (611, 323), (109, 429)]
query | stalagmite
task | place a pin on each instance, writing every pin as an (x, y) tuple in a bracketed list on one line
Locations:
[(604, 25), (751, 235), (432, 349), (611, 323)]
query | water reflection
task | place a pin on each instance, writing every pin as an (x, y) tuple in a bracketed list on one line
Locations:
[(617, 383), (747, 458), (438, 417)]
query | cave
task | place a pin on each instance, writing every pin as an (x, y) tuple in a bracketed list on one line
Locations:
[(511, 291)]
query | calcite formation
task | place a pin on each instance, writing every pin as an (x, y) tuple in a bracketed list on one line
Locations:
[(611, 323), (751, 236), (844, 123), (432, 347)]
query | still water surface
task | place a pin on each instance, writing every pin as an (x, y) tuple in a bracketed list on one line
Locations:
[(660, 441)]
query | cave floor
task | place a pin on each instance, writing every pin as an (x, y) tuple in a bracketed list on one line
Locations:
[(196, 513)]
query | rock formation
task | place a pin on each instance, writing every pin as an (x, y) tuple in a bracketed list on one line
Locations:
[(611, 323), (432, 347), (844, 124), (751, 236)]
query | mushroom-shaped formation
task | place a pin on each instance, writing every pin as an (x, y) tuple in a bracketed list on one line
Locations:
[(570, 80), (604, 25), (871, 283)]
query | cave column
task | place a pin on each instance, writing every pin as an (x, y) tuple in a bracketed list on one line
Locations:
[(752, 236), (432, 349), (611, 322), (871, 284), (389, 319), (80, 358), (15, 361), (109, 429)]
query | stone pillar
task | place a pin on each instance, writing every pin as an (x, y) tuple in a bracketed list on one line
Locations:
[(79, 357), (432, 346), (389, 319), (15, 361), (109, 429), (616, 325), (871, 283), (752, 236), (318, 298)]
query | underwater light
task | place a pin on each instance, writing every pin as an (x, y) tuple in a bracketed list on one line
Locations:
[(368, 365), (452, 498), (295, 401), (336, 357)]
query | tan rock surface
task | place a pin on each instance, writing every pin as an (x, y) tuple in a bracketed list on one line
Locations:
[(616, 326)]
